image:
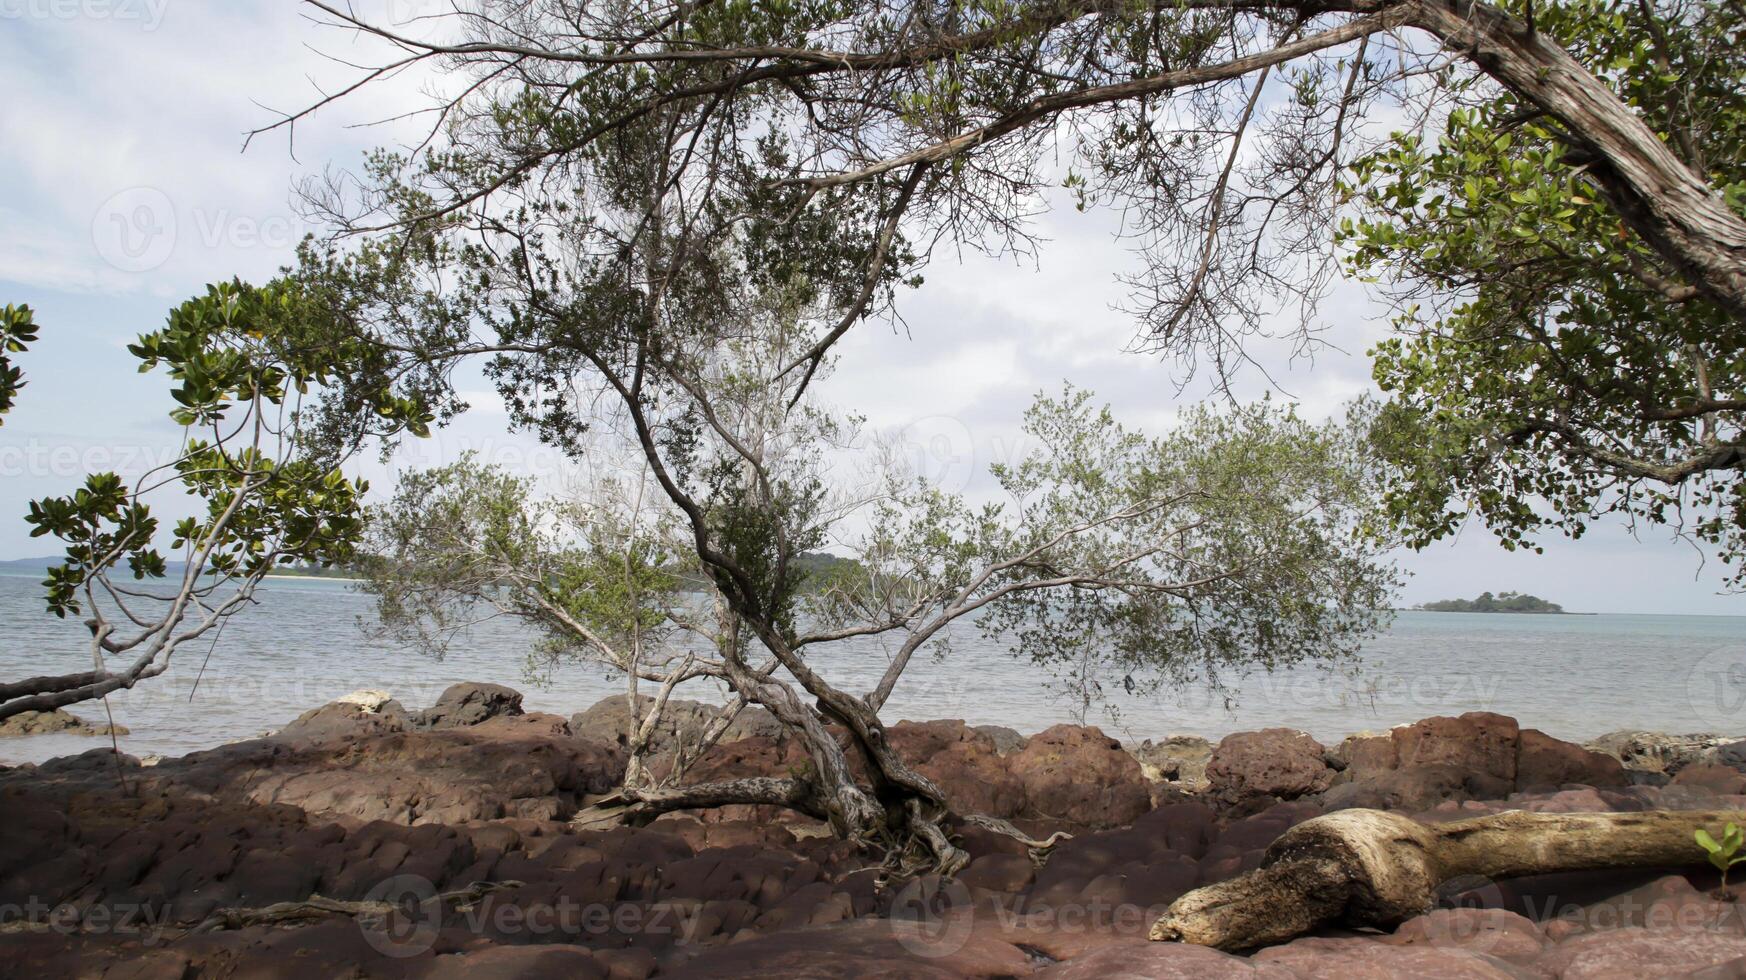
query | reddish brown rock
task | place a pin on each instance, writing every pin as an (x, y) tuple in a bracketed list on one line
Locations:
[(755, 756), (1160, 961), (1721, 780), (469, 704), (1494, 932), (523, 766), (1274, 763), (1009, 873), (1476, 756), (1181, 828), (874, 949), (1080, 776), (1366, 752), (1415, 788), (518, 963), (1371, 959), (965, 763), (1565, 801), (1546, 761), (1634, 952), (345, 720), (1477, 742)]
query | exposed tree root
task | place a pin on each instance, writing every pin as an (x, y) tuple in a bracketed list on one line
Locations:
[(317, 907), (1039, 849), (917, 843), (1373, 868)]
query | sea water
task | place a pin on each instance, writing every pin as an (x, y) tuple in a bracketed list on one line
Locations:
[(309, 641)]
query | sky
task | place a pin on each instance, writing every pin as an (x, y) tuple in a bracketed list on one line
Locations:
[(124, 188)]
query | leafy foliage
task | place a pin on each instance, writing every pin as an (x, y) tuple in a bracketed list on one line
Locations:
[(17, 330), (1725, 853), (239, 365), (1554, 366), (241, 360), (598, 578), (1239, 543)]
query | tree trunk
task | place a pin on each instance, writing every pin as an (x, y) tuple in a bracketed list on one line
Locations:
[(1373, 868), (1674, 208), (904, 818)]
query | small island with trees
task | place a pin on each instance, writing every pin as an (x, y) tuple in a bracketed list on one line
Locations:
[(1503, 602)]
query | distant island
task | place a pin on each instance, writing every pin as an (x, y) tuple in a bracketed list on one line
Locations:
[(316, 571), (1503, 602)]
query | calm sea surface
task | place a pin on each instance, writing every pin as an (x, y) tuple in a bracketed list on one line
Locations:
[(1572, 676)]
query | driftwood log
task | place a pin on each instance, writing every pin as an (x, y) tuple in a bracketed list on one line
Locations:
[(1374, 868)]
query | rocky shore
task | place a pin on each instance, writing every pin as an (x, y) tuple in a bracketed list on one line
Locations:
[(369, 839)]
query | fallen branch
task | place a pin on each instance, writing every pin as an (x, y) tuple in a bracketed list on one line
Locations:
[(1373, 868)]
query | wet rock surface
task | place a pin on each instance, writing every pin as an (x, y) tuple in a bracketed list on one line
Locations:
[(107, 874)]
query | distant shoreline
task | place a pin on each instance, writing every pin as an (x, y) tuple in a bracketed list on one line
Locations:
[(1536, 612)]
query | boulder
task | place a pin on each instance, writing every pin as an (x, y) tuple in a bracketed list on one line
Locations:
[(608, 720), (1477, 756), (518, 963), (1634, 952), (56, 722), (345, 720), (1417, 788), (1478, 742), (864, 948), (1137, 957), (1365, 752), (1370, 959), (1660, 752), (1733, 754), (1545, 761), (1006, 740), (470, 703), (1271, 764), (1078, 775), (965, 763), (758, 755), (1720, 780), (369, 700), (350, 765), (1177, 759), (1497, 932)]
